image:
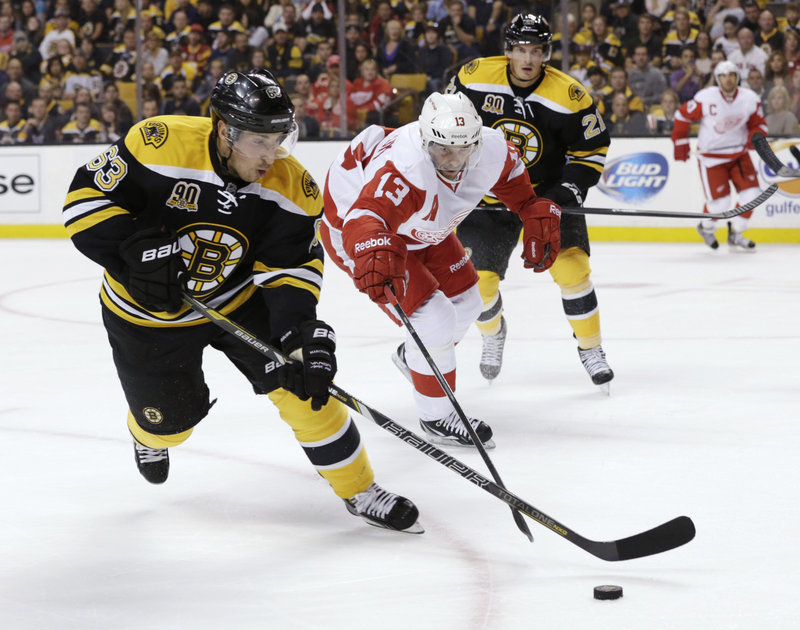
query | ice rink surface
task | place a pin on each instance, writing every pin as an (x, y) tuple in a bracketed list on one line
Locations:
[(702, 420)]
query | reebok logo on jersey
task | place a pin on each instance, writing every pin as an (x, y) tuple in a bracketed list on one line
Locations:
[(554, 209), (371, 242), (459, 264)]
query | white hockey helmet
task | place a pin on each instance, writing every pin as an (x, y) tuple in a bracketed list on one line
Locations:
[(726, 67), (451, 133), (450, 119)]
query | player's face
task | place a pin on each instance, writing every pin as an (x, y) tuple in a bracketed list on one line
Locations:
[(728, 81), (254, 153), (450, 160), (525, 61)]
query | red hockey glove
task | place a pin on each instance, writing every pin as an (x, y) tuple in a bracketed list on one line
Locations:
[(541, 234), (380, 259), (682, 152)]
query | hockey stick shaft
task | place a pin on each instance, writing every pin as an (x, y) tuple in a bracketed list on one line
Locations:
[(636, 212), (448, 391), (765, 152), (664, 537)]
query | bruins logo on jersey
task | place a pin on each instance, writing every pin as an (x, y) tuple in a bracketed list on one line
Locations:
[(525, 138), (471, 67), (310, 188), (211, 253), (576, 92), (154, 132)]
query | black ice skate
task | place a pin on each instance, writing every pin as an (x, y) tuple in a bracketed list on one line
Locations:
[(153, 463), (708, 236), (737, 242), (384, 509), (492, 352), (594, 360), (451, 431), (399, 359)]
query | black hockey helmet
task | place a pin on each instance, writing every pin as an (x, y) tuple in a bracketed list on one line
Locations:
[(527, 28), (252, 101)]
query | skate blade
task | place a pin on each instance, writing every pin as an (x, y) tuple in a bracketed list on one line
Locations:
[(445, 441), (402, 367), (605, 388), (416, 528)]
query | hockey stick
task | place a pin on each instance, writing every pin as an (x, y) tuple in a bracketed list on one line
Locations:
[(448, 391), (634, 212), (795, 152), (761, 145), (664, 537)]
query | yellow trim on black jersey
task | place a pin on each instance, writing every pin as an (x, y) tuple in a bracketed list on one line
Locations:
[(308, 276), (93, 219)]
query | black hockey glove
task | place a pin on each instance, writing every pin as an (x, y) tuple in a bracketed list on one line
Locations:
[(152, 270), (565, 194), (312, 345)]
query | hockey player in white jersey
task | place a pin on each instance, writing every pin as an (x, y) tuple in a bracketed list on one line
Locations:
[(393, 199), (729, 115)]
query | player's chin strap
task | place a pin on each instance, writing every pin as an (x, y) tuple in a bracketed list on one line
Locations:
[(223, 161)]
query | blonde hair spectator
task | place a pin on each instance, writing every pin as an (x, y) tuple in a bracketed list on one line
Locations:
[(780, 120)]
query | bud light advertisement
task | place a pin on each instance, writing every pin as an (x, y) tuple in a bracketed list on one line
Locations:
[(634, 177)]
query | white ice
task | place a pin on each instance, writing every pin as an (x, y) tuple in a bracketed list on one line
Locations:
[(701, 421)]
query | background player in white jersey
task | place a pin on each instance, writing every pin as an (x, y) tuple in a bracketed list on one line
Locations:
[(217, 207), (729, 115), (392, 201), (563, 141)]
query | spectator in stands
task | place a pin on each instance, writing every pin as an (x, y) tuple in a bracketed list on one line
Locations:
[(676, 40), (415, 27), (791, 50), (751, 12), (791, 18), (205, 14), (109, 129), (14, 72), (302, 86), (768, 37), (624, 23), (293, 25), (597, 83), (307, 126), (623, 121), (29, 57), (221, 47), (361, 53), (38, 128), (13, 92), (190, 12), (352, 38), (12, 129), (79, 75), (150, 108), (34, 32), (668, 19), (661, 118), (583, 61), (319, 27), (434, 58), (702, 53), (377, 26), (239, 56), (226, 22), (645, 35), (645, 81), (177, 67), (687, 80), (618, 82), (781, 121), (84, 95), (94, 57), (396, 55), (6, 34), (196, 51), (275, 12), (718, 13), (283, 58), (61, 30), (370, 92), (215, 70), (728, 41), (124, 114), (458, 30), (121, 64), (606, 47), (330, 112), (154, 51), (493, 16), (54, 72), (179, 31), (83, 129), (437, 10), (777, 71), (180, 101), (748, 56), (92, 21), (755, 81)]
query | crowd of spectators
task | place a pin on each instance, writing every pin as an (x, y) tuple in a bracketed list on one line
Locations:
[(68, 68)]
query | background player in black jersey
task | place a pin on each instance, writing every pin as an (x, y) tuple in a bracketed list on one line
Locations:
[(219, 208), (563, 140)]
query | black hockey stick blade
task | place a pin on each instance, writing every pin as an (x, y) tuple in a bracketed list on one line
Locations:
[(632, 212), (795, 152), (669, 535), (761, 145)]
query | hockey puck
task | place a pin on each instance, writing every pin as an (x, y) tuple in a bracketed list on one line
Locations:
[(607, 591)]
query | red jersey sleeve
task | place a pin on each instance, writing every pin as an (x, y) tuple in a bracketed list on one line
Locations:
[(691, 111), (513, 187)]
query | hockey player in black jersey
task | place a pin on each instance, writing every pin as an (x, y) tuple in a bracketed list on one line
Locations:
[(563, 140), (219, 208)]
